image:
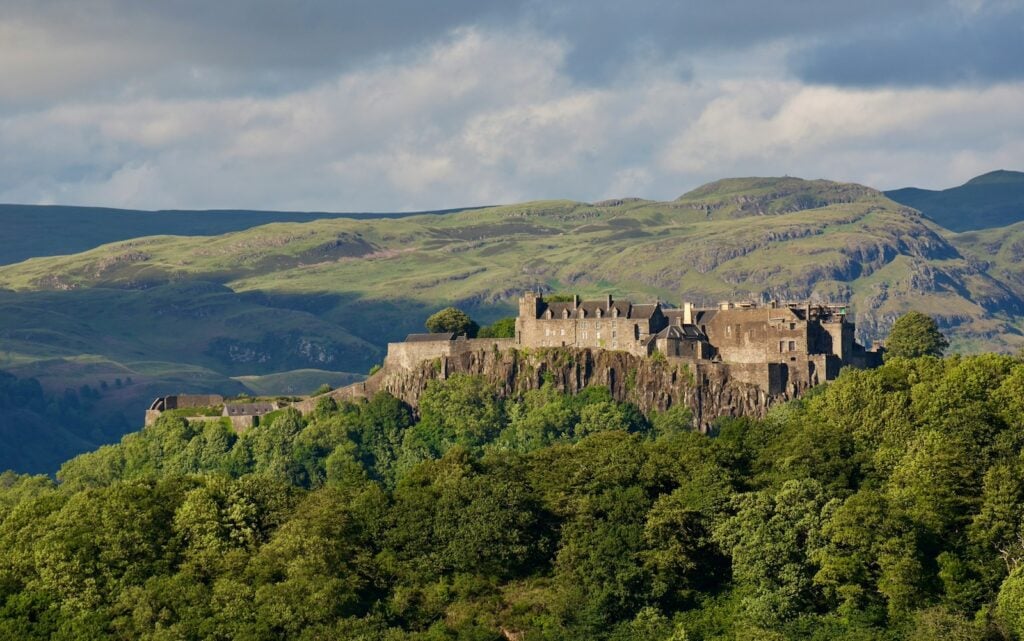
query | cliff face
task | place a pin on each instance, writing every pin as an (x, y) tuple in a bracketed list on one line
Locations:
[(710, 391)]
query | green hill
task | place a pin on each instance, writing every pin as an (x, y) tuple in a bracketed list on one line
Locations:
[(784, 238), (50, 230), (995, 199), (189, 313)]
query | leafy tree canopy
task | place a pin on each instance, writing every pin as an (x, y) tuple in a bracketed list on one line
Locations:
[(452, 319), (887, 506), (502, 328), (915, 334)]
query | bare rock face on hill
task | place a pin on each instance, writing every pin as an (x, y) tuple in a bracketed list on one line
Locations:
[(710, 391)]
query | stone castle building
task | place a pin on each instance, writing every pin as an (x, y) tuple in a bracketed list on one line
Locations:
[(771, 344), (739, 358)]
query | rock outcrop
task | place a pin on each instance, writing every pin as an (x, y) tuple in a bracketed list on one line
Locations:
[(710, 390)]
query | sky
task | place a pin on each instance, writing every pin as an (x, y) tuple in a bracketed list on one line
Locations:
[(389, 105)]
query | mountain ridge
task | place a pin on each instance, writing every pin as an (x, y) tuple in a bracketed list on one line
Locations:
[(993, 199), (205, 312)]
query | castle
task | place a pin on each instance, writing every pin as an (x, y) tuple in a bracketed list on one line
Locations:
[(739, 358), (781, 348), (813, 339)]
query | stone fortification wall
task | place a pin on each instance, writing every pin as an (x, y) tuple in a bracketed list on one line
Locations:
[(410, 355), (182, 401), (760, 335)]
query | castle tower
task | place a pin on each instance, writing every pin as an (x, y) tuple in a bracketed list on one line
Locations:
[(529, 305), (529, 309)]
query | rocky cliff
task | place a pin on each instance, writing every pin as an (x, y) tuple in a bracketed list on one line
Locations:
[(709, 390)]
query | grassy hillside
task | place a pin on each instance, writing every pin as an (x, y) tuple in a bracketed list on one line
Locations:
[(995, 199), (746, 238), (47, 230), (188, 313)]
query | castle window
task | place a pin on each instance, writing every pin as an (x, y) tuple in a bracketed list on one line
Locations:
[(563, 332), (792, 346), (597, 324), (599, 336), (613, 333), (792, 325), (782, 346)]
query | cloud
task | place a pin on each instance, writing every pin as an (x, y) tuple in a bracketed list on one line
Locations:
[(973, 43), (76, 49), (406, 105), (486, 116), (124, 48)]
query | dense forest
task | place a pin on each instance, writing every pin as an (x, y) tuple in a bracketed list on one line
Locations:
[(885, 505)]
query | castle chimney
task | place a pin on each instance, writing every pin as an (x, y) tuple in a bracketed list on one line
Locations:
[(575, 300), (608, 304), (687, 313)]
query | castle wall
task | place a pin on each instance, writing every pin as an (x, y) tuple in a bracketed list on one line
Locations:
[(241, 424), (761, 335), (613, 333), (690, 350), (409, 355), (182, 401)]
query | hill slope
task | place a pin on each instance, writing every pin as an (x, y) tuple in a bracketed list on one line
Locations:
[(45, 230), (746, 238), (995, 199), (193, 313)]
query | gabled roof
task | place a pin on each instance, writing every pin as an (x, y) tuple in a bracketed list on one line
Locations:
[(558, 308), (423, 338), (703, 316), (692, 332), (248, 409), (681, 332), (643, 311), (590, 308)]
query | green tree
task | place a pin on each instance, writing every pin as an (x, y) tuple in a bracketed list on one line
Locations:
[(463, 409), (502, 328), (1010, 603), (915, 334), (452, 319), (770, 539)]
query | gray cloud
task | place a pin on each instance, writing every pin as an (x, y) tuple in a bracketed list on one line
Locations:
[(90, 48), (52, 49), (406, 105), (945, 46)]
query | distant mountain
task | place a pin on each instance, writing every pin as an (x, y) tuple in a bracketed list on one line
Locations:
[(310, 299), (995, 199), (52, 230)]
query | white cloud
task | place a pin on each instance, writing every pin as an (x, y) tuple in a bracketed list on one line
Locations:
[(485, 116)]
